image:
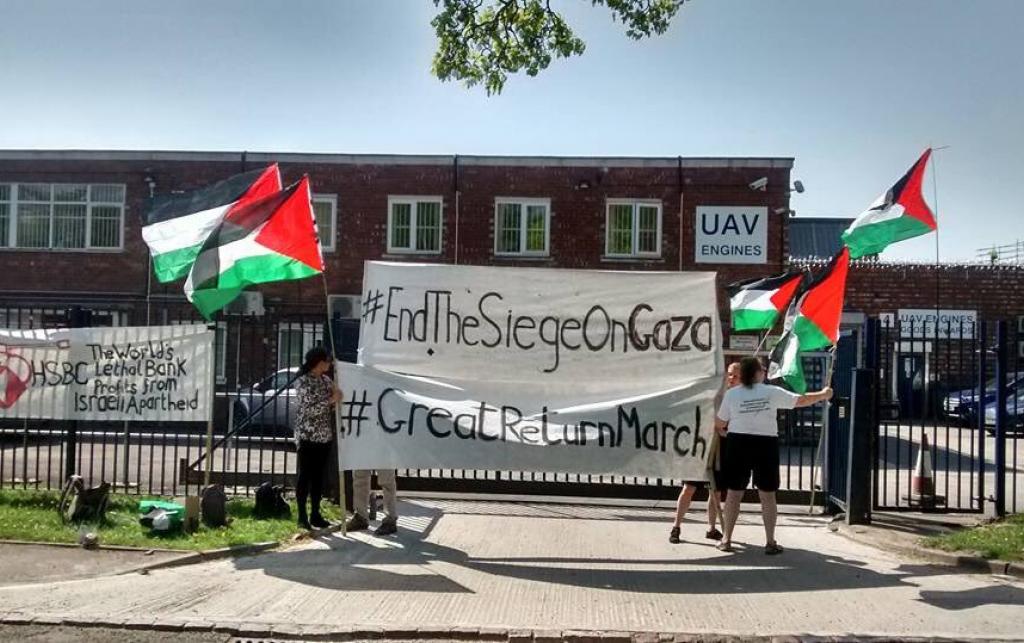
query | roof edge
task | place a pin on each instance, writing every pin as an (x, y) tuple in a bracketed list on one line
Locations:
[(399, 159)]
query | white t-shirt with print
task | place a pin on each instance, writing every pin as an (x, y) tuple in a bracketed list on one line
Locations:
[(754, 410)]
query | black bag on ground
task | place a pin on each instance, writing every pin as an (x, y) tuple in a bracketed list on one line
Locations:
[(79, 504), (213, 506), (270, 502)]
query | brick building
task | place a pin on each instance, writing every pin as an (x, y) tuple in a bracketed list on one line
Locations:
[(70, 225)]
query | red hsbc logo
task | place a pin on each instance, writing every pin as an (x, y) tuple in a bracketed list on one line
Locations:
[(15, 375)]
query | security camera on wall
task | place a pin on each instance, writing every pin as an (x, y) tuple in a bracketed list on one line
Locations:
[(760, 184)]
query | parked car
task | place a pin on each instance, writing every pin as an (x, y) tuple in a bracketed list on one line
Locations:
[(276, 417), (1014, 413), (963, 405)]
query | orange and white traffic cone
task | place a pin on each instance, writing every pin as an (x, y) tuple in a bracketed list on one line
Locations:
[(922, 483)]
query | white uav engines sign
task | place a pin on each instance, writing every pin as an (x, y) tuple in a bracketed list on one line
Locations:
[(161, 373), (731, 234), (533, 370)]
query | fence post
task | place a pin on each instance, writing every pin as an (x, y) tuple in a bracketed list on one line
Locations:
[(979, 411), (1000, 428), (77, 317), (858, 468)]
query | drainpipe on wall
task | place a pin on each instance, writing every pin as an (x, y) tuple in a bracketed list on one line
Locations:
[(243, 161), (455, 182), (679, 178)]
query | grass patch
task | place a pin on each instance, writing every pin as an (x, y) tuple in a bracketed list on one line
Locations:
[(32, 515), (1003, 540)]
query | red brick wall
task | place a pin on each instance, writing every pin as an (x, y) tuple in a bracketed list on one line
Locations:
[(577, 224), (996, 292)]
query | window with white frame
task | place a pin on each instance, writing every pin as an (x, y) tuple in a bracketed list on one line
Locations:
[(414, 224), (325, 208), (294, 339), (633, 228), (63, 216), (522, 226)]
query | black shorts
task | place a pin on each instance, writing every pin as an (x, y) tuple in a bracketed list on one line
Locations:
[(746, 454)]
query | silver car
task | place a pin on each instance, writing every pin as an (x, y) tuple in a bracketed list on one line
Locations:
[(277, 416)]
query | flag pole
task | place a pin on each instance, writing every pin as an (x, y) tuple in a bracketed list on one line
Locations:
[(938, 272), (821, 437), (760, 345), (337, 424)]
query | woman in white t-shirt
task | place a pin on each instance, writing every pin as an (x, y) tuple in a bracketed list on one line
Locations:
[(749, 413)]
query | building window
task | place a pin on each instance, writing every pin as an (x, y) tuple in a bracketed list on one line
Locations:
[(63, 216), (633, 228), (522, 226), (294, 339), (325, 208), (414, 224)]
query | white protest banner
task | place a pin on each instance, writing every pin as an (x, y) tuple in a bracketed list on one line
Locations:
[(155, 373), (601, 330), (550, 363), (391, 421)]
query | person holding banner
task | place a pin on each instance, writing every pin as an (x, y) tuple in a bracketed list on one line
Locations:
[(749, 414), (317, 397), (690, 487)]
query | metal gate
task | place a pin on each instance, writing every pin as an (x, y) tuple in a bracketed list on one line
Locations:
[(948, 409), (838, 438), (256, 358)]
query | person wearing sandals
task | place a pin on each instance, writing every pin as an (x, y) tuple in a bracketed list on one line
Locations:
[(749, 414), (690, 487), (317, 396)]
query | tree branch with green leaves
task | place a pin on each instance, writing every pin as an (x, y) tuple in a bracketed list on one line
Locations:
[(482, 42)]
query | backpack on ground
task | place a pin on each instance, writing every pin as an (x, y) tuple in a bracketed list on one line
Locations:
[(213, 506), (270, 502), (78, 504)]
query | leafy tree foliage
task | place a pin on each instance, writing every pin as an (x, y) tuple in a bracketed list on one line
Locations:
[(481, 42)]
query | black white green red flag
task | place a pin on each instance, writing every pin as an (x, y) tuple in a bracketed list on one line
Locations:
[(900, 213), (176, 226), (270, 239), (812, 322), (756, 304)]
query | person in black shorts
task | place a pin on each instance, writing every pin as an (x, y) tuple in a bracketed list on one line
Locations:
[(749, 414), (690, 487)]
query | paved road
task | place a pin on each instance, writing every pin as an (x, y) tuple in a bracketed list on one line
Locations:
[(556, 567)]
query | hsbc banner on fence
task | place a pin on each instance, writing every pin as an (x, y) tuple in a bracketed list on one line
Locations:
[(533, 370), (156, 373)]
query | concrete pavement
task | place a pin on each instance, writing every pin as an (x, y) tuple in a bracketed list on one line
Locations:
[(468, 565)]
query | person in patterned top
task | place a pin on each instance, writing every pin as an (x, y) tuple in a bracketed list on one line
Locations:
[(313, 430)]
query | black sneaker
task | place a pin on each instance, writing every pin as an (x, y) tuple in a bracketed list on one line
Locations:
[(387, 527), (713, 534), (673, 536), (304, 523), (356, 523), (773, 549)]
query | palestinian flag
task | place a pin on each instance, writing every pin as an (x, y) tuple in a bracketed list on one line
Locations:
[(757, 303), (812, 322), (786, 364), (176, 226), (270, 239), (815, 314), (900, 213)]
